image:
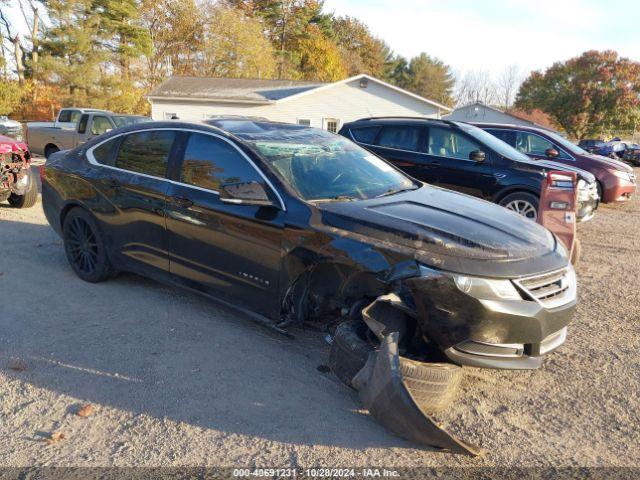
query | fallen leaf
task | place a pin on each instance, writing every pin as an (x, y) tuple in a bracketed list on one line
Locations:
[(85, 411), (55, 437), (17, 365)]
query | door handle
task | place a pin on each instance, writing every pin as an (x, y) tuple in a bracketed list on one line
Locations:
[(182, 202), (435, 163)]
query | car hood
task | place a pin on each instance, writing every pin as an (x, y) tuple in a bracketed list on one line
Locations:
[(450, 231), (583, 174), (610, 162)]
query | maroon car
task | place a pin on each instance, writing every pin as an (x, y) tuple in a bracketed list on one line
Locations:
[(616, 180)]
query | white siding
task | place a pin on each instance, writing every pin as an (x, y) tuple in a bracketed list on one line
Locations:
[(345, 102), (481, 113)]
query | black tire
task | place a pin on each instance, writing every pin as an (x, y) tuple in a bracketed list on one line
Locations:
[(84, 246), (50, 150), (433, 386), (27, 200), (524, 203), (349, 351)]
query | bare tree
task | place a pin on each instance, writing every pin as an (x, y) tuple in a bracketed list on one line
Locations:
[(475, 86), (33, 22), (17, 47), (508, 83)]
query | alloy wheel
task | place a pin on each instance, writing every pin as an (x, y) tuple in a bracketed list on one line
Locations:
[(82, 246), (524, 208)]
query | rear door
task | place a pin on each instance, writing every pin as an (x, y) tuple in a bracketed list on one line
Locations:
[(402, 146), (229, 250), (448, 150), (134, 182)]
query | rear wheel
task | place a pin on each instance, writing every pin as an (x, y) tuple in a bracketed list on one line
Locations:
[(50, 150), (30, 197), (84, 247), (523, 203)]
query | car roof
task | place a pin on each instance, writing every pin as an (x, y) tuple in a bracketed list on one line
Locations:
[(530, 128), (390, 120)]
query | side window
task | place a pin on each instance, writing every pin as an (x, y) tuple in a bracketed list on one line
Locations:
[(365, 134), (75, 116), (100, 125), (105, 154), (82, 124), (210, 162), (402, 138), (146, 152), (532, 144), (446, 142), (65, 116), (504, 135)]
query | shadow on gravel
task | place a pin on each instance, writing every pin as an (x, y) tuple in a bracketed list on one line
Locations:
[(155, 350)]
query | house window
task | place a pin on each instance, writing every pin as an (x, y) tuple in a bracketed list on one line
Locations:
[(331, 124), (304, 121), (170, 116)]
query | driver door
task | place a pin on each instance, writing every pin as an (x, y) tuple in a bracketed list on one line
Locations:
[(229, 250)]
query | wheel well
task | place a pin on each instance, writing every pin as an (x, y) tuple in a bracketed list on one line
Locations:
[(48, 146), (509, 191), (65, 211)]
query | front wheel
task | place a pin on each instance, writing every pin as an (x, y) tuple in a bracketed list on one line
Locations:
[(523, 203), (84, 247), (29, 198)]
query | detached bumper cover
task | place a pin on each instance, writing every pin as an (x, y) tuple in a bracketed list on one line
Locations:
[(384, 394)]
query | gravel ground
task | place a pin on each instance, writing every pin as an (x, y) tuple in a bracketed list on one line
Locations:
[(176, 380)]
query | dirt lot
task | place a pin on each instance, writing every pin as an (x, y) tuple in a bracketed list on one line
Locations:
[(177, 380)]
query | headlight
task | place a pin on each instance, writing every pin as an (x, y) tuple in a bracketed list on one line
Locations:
[(487, 289), (623, 175)]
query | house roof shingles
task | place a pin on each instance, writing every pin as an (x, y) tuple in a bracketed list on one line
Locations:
[(231, 89)]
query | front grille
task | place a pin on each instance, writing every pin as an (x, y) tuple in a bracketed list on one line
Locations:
[(551, 290)]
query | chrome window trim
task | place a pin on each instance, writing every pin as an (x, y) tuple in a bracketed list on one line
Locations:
[(571, 157), (93, 161)]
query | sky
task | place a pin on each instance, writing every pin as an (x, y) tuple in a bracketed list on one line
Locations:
[(489, 35)]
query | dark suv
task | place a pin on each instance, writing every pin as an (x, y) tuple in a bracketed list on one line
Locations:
[(616, 180), (465, 158)]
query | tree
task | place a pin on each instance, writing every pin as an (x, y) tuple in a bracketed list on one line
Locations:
[(234, 46), (430, 78), (10, 96), (361, 51), (586, 95), (475, 86), (318, 57), (507, 87)]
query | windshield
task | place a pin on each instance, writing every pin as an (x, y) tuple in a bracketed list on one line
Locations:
[(564, 143), (322, 166), (497, 145), (122, 120)]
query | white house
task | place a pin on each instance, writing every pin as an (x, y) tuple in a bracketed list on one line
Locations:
[(326, 105), (480, 112)]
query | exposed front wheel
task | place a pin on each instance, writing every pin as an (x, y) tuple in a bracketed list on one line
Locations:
[(84, 247), (522, 203), (29, 198)]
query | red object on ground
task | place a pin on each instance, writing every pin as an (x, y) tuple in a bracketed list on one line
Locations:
[(557, 210)]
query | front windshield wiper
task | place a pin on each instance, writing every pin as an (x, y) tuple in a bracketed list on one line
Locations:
[(393, 191), (337, 198)]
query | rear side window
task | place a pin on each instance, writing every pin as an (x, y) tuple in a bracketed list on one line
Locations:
[(100, 125), (210, 162), (446, 142), (146, 152), (365, 134), (400, 137), (69, 116), (105, 154), (503, 135)]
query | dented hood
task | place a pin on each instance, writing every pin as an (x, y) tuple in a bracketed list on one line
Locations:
[(451, 231)]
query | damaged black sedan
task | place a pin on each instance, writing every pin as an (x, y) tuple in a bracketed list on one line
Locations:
[(298, 226)]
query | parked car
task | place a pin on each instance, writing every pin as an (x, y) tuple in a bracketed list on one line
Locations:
[(299, 226), (613, 149), (462, 157), (632, 154), (48, 140), (10, 128), (616, 180), (17, 182)]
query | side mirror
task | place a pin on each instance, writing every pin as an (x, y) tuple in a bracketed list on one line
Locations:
[(245, 193), (477, 156), (551, 152)]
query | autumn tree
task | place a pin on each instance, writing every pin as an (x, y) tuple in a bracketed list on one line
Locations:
[(360, 50), (318, 57), (586, 95), (430, 78), (10, 96)]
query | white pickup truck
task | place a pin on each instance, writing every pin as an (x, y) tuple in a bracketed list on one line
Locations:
[(64, 133)]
